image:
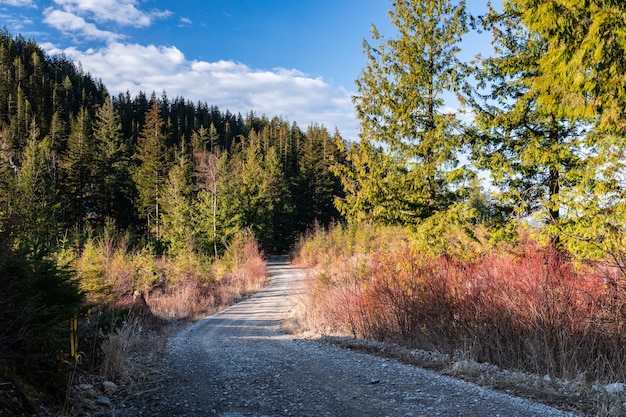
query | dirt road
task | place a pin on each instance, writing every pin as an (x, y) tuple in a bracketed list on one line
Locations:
[(238, 363)]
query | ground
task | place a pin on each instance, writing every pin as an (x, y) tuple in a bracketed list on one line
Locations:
[(241, 363)]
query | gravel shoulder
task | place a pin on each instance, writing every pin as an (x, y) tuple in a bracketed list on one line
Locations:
[(239, 363)]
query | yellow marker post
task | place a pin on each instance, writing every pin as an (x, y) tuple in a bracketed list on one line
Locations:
[(74, 337)]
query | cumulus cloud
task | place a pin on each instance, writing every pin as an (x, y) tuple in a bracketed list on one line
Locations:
[(228, 85), (123, 12), (69, 23)]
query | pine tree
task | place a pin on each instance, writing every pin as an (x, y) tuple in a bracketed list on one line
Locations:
[(400, 102), (151, 172)]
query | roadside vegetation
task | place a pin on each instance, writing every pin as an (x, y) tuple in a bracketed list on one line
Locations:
[(524, 270), (520, 305)]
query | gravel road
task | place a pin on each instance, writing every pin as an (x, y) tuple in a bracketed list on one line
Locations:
[(239, 363)]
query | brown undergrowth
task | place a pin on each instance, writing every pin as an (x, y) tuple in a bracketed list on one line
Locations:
[(138, 299), (524, 307)]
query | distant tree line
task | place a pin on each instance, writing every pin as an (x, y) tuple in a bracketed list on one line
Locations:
[(73, 157)]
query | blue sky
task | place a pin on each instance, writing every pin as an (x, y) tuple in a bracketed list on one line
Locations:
[(292, 58)]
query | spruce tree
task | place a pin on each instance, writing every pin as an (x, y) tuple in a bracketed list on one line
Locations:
[(152, 169), (111, 168)]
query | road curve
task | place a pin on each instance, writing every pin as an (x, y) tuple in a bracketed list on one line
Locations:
[(239, 363)]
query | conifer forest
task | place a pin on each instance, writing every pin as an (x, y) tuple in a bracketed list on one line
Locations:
[(497, 230)]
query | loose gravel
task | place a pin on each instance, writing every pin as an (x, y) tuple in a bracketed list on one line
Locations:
[(239, 363)]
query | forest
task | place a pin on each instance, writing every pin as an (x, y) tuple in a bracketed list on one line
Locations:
[(500, 239), (86, 175)]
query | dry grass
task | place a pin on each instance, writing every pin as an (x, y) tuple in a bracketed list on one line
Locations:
[(136, 299)]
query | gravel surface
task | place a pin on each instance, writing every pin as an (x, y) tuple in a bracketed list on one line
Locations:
[(239, 363)]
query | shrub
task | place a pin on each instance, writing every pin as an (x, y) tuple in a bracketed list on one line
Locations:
[(527, 307), (37, 300)]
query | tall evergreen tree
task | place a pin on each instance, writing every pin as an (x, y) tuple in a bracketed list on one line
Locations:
[(369, 177), (111, 168), (152, 170), (176, 207), (77, 176), (582, 76), (317, 185), (36, 201), (246, 200), (533, 155), (401, 98), (585, 59)]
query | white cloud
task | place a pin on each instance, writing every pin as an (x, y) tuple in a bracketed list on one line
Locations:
[(122, 12), (15, 23), (18, 3), (184, 22), (70, 23), (228, 85)]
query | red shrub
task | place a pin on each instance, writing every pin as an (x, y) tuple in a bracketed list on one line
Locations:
[(531, 309)]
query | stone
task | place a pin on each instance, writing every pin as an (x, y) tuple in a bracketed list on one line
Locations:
[(614, 388), (102, 400), (89, 391), (109, 388)]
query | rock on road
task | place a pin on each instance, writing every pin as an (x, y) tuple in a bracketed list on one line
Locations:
[(239, 363)]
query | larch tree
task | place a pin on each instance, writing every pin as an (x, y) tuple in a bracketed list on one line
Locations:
[(151, 173), (401, 99)]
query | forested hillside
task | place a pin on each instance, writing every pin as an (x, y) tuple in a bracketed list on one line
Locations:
[(136, 160), (101, 195)]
